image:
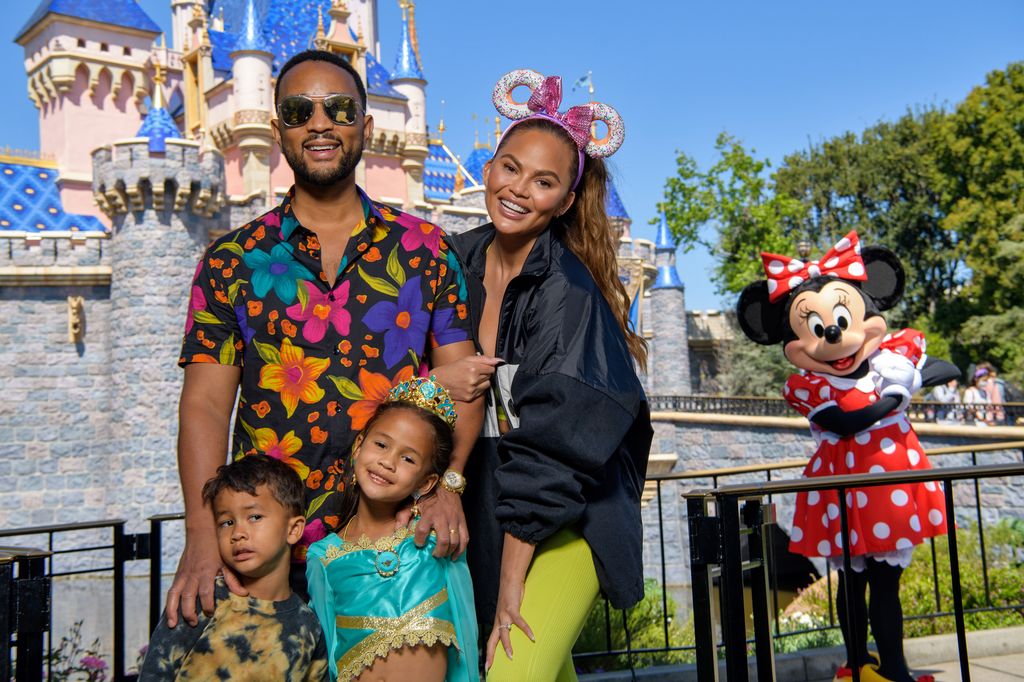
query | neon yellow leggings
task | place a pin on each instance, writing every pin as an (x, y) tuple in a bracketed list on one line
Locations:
[(561, 587)]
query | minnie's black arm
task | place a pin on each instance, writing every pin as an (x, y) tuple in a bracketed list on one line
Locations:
[(936, 372), (836, 420)]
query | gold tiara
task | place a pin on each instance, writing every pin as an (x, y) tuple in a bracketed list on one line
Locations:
[(426, 393)]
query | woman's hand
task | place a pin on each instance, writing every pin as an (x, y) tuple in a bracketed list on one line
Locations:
[(467, 378), (507, 616), (516, 556)]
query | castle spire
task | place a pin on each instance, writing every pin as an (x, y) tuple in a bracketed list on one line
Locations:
[(159, 125), (251, 37), (665, 258), (664, 239), (407, 64)]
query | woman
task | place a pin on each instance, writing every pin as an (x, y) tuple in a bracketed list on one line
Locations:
[(975, 395), (553, 485)]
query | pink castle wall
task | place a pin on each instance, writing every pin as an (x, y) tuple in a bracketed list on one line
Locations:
[(385, 177)]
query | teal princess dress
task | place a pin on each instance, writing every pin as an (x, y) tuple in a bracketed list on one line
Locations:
[(376, 596)]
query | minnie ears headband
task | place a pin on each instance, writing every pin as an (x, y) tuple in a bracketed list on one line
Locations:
[(842, 261), (545, 98)]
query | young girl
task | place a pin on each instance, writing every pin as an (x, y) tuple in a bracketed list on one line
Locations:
[(391, 610)]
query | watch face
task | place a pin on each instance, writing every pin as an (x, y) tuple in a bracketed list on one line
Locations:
[(453, 479)]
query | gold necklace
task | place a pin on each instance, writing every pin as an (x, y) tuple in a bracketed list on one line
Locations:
[(386, 562)]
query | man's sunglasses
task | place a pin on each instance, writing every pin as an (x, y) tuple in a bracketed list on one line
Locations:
[(295, 110)]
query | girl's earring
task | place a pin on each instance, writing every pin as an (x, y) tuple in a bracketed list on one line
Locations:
[(415, 504), (355, 483)]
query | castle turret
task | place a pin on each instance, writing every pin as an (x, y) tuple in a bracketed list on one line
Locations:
[(669, 367), (181, 13), (407, 78), (252, 68), (86, 67), (161, 207)]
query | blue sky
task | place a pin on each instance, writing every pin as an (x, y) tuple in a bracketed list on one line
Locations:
[(778, 75)]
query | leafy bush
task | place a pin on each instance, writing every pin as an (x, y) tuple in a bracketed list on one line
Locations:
[(646, 630)]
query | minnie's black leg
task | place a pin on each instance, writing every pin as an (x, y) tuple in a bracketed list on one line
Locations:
[(858, 583), (887, 619)]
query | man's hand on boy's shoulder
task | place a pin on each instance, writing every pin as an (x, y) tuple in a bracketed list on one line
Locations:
[(194, 580), (441, 512)]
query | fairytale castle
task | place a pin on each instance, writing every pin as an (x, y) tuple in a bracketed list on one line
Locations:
[(150, 146)]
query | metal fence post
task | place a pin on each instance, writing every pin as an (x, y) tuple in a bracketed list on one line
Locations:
[(27, 610), (757, 517), (705, 545), (734, 621)]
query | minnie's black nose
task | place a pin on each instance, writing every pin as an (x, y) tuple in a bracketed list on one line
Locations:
[(833, 333)]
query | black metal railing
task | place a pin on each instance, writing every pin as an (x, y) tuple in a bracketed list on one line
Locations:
[(1005, 414), (708, 552), (716, 548), (33, 607)]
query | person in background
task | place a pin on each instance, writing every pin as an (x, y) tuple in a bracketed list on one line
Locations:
[(975, 399), (949, 395)]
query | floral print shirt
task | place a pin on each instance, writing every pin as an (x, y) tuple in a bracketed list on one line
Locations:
[(317, 360)]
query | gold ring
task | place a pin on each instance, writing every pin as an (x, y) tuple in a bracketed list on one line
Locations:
[(506, 626), (453, 531)]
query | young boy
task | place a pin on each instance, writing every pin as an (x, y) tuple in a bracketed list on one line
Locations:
[(257, 503)]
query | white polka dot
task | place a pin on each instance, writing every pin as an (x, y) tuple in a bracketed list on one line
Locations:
[(772, 286), (839, 541), (881, 530), (856, 270), (856, 249), (918, 341), (824, 520), (785, 389), (876, 469), (862, 499), (824, 392), (899, 497), (849, 499), (842, 245), (813, 498), (831, 262), (899, 334), (904, 543), (929, 486), (850, 460), (796, 265), (824, 549), (888, 446), (863, 438), (802, 393), (872, 398), (833, 510), (776, 267), (853, 538), (831, 467), (915, 523), (935, 517), (913, 456), (904, 425), (815, 464), (797, 534), (794, 282), (887, 337), (814, 271), (901, 350)]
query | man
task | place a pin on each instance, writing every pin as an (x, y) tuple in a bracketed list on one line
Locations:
[(316, 309)]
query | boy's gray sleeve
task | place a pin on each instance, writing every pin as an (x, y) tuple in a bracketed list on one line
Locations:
[(168, 649)]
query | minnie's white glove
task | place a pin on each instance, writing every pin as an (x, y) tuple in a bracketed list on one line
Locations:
[(895, 375)]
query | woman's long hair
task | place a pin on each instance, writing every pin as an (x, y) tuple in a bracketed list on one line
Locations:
[(585, 229)]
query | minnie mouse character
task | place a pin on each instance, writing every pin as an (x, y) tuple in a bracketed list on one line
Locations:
[(854, 387)]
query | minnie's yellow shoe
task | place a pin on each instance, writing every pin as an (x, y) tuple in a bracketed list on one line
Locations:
[(845, 674), (870, 674)]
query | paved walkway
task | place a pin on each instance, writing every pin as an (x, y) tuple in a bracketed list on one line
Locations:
[(1009, 668)]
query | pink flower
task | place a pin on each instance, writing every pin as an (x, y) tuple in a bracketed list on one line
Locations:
[(321, 309), (420, 233), (314, 531), (195, 304)]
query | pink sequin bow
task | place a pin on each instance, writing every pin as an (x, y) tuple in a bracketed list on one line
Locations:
[(842, 260), (576, 121)]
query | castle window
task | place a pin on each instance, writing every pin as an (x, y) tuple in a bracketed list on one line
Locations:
[(104, 47), (81, 42), (127, 51)]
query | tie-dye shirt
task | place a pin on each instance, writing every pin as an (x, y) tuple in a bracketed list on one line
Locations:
[(246, 639)]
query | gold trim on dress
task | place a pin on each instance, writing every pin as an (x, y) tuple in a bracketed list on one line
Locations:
[(411, 628), (384, 544)]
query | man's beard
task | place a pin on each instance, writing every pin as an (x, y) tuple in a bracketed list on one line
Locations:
[(323, 177)]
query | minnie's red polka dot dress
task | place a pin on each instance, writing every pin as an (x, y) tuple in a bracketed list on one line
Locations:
[(883, 519)]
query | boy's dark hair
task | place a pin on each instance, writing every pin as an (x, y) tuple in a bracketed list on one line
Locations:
[(246, 474), (320, 56)]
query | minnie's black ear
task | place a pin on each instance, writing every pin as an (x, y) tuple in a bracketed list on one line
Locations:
[(760, 319), (886, 278)]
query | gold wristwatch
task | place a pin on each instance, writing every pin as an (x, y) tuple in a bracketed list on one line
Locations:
[(453, 482)]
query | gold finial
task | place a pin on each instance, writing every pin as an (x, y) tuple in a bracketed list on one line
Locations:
[(197, 11), (163, 41), (497, 129), (204, 37), (158, 82), (460, 181), (412, 32), (340, 4), (320, 40)]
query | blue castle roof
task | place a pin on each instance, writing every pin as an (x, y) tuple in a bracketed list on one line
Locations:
[(251, 37), (30, 202), (439, 171), (664, 239), (378, 80), (475, 163), (158, 126), (407, 64), (125, 13), (613, 204)]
